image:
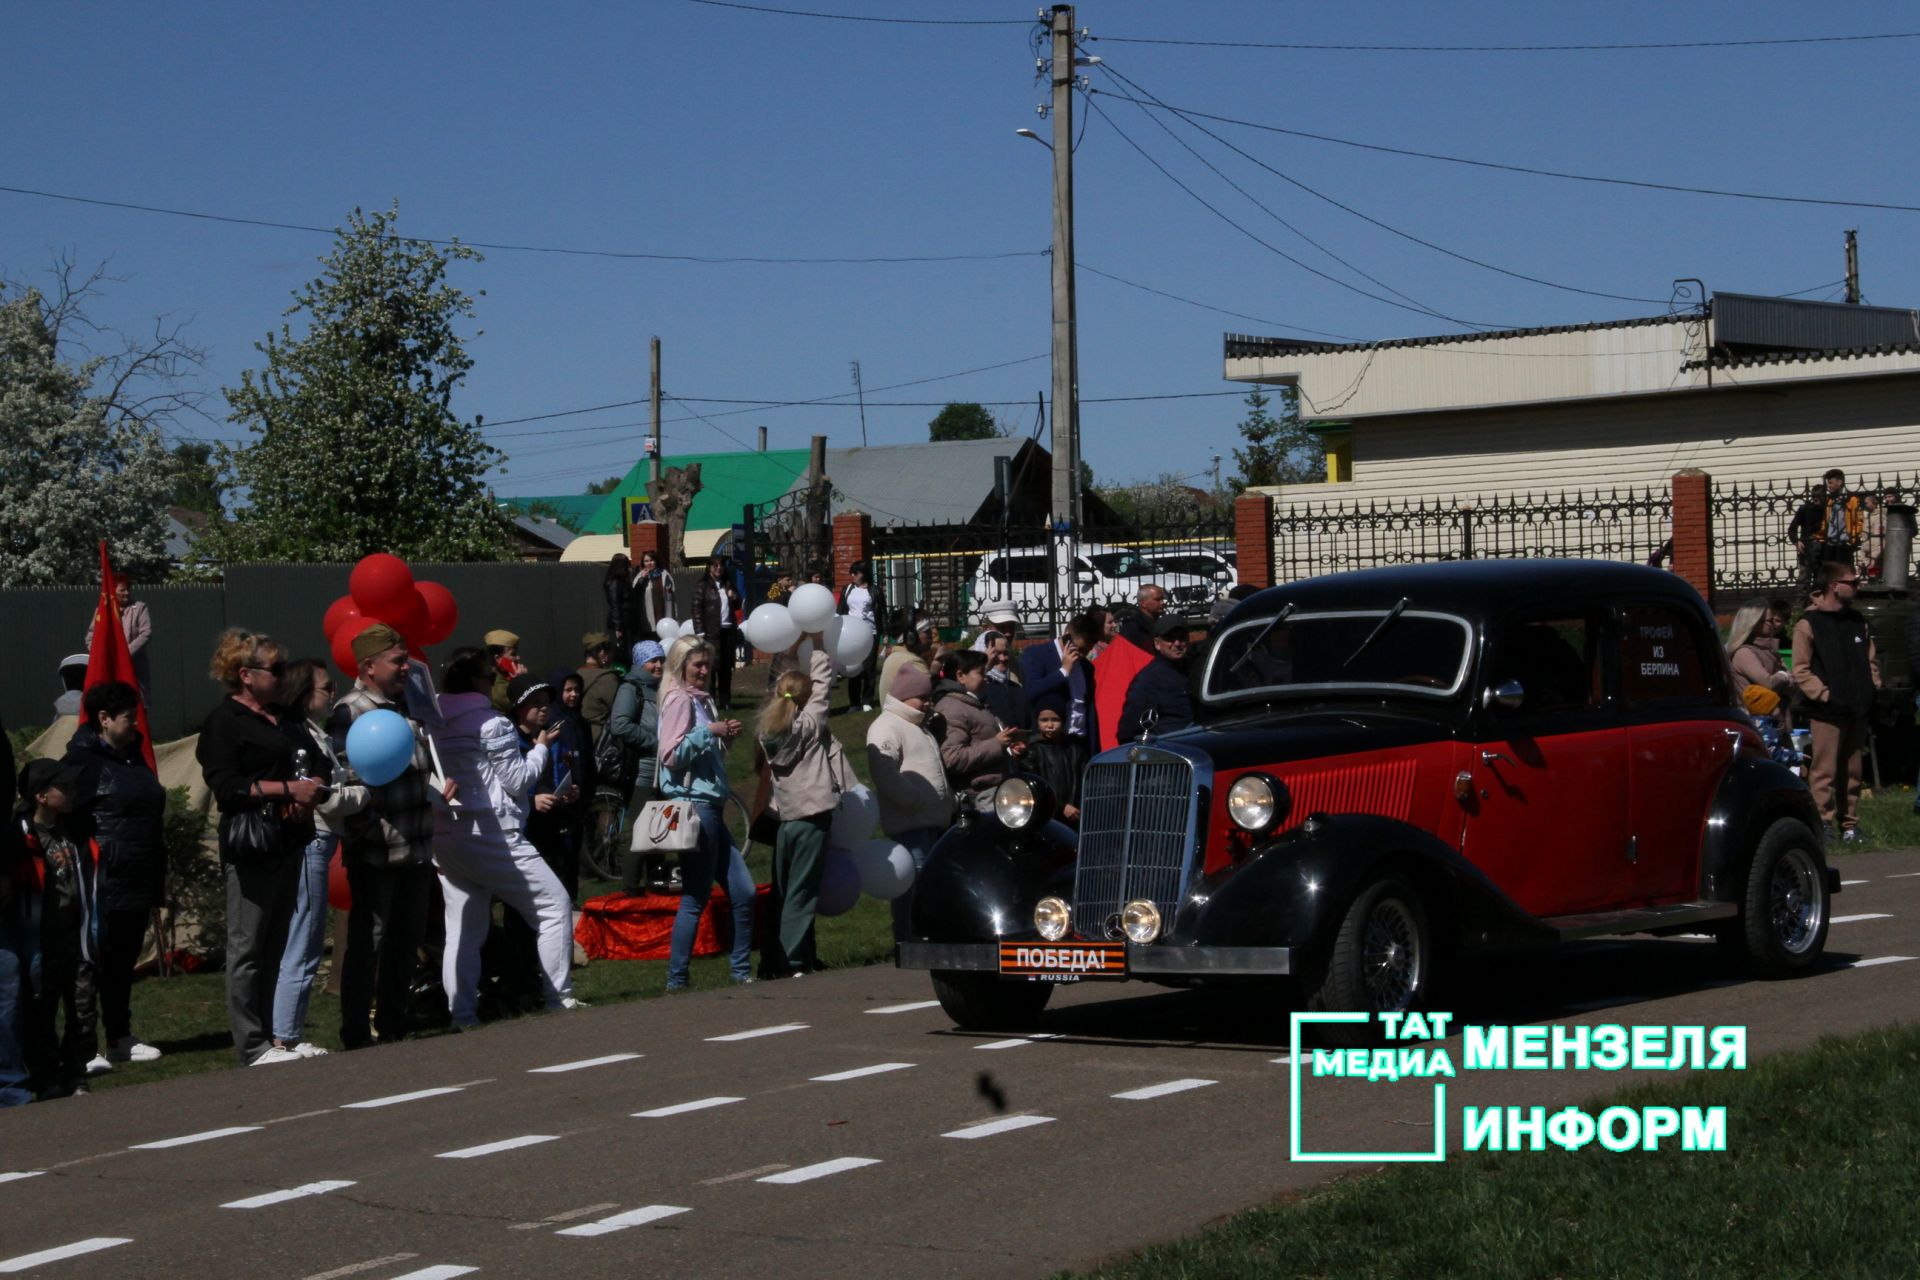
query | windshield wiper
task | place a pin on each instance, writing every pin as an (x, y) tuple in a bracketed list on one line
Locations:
[(1375, 633), (1272, 622)]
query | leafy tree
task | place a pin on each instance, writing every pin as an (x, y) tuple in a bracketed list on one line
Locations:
[(359, 449), (605, 486), (1167, 499), (81, 455), (197, 482), (1279, 450), (964, 420)]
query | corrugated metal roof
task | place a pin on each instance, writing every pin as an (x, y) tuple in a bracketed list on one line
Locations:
[(923, 483), (728, 483), (1242, 345), (1798, 324), (1755, 359)]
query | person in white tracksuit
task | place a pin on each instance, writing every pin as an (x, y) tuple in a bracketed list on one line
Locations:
[(479, 843)]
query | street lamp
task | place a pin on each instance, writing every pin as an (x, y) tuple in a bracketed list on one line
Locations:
[(1028, 133)]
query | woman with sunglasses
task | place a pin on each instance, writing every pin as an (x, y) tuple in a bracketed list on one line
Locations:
[(248, 754)]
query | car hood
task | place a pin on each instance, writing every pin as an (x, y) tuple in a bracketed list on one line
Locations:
[(1246, 741)]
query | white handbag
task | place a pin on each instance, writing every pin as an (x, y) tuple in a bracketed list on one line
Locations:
[(666, 826)]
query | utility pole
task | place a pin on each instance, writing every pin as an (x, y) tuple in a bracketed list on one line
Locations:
[(1216, 475), (1853, 268), (653, 463), (862, 393), (1066, 361)]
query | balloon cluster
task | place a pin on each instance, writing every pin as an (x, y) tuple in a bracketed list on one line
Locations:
[(382, 589), (856, 862), (773, 628)]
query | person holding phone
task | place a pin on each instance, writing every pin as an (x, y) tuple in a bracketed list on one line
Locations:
[(480, 847), (975, 747)]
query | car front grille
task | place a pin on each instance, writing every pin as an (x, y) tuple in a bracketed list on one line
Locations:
[(1136, 837)]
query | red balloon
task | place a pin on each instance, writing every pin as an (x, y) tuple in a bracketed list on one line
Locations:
[(349, 621), (341, 643), (443, 615), (382, 586), (412, 621), (335, 612), (339, 894)]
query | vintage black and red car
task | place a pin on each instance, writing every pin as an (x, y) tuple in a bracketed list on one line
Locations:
[(1392, 769)]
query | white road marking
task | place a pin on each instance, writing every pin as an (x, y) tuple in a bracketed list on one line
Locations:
[(15, 1177), (355, 1268), (907, 1008), (987, 1128), (1016, 1043), (826, 1168), (1162, 1090), (680, 1108), (397, 1098), (1871, 915), (745, 1173), (191, 1138), (505, 1144), (621, 1221), (444, 1271), (582, 1065), (1285, 1059), (568, 1215), (757, 1032), (281, 1197), (27, 1261), (1845, 883), (1904, 875), (1868, 964), (857, 1072)]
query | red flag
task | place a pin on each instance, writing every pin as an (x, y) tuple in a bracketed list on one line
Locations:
[(109, 658)]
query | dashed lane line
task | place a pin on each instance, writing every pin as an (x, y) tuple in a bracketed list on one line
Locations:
[(907, 1008), (681, 1108), (188, 1139), (1845, 883), (394, 1100), (28, 1261), (1868, 964), (559, 1067), (355, 1268), (24, 1173), (874, 1070), (291, 1193), (825, 1169), (621, 1221), (988, 1128), (1904, 875), (494, 1148), (1017, 1041), (442, 1271), (725, 1178), (1162, 1090), (569, 1215), (1871, 915), (757, 1032)]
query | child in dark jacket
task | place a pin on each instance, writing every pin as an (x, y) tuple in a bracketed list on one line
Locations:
[(64, 868), (1055, 757)]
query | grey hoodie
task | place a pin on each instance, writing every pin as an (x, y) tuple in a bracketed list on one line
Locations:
[(635, 728)]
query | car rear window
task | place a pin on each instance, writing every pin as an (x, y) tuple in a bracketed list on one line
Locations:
[(1415, 652)]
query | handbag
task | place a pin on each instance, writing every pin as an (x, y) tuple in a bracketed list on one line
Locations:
[(666, 826), (250, 835)]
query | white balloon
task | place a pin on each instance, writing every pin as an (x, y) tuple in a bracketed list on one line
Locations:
[(667, 630), (853, 643), (855, 819), (770, 628), (886, 868), (811, 606), (686, 628)]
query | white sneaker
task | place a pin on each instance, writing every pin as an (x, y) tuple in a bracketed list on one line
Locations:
[(98, 1065), (274, 1054), (308, 1049), (132, 1049), (571, 1003)]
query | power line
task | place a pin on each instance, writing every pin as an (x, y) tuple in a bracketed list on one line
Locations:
[(1526, 169), (620, 254), (861, 17), (1507, 48), (1207, 306)]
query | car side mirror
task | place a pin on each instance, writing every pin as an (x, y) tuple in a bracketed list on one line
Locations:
[(1507, 695)]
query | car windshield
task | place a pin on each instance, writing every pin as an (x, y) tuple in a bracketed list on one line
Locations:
[(1422, 653), (1199, 566), (1121, 564)]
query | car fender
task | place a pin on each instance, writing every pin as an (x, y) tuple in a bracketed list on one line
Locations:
[(1295, 891), (1754, 793), (981, 880)]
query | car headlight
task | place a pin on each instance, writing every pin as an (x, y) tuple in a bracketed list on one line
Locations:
[(1014, 803), (1254, 802), (1051, 917), (1140, 920)]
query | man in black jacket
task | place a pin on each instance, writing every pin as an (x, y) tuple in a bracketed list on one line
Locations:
[(1161, 685), (1836, 669), (16, 886)]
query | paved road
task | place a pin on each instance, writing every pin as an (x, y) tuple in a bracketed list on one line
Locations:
[(834, 1126)]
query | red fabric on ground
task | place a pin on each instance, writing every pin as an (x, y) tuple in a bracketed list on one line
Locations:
[(1113, 673), (639, 926)]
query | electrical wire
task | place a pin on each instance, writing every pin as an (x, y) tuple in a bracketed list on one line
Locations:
[(1207, 306), (861, 17), (1511, 48), (493, 246), (1526, 169)]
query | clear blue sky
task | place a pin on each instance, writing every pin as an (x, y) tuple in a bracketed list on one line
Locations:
[(680, 128)]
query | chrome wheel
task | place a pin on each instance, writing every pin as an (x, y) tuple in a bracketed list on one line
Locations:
[(1393, 961), (1795, 904)]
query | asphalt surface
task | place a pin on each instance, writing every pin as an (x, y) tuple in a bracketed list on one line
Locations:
[(485, 1157)]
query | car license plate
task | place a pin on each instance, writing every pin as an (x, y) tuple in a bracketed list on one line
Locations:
[(1063, 961)]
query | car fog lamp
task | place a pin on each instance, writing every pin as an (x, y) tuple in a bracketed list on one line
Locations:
[(1014, 803), (1051, 917), (1253, 802), (1141, 921)]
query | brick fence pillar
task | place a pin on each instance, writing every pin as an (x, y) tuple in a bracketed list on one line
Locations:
[(852, 540), (647, 535), (1253, 538), (1692, 555)]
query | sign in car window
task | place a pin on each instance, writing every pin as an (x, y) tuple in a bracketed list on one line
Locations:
[(1660, 658)]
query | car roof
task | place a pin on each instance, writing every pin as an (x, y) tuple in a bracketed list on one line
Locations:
[(1476, 588)]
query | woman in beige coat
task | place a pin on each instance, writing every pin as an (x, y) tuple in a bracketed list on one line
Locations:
[(909, 778)]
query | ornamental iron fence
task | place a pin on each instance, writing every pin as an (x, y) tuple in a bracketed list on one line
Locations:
[(1754, 548)]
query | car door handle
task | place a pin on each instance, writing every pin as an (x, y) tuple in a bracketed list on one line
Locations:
[(1493, 757)]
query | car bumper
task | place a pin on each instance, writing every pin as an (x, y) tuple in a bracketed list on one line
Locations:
[(1155, 960)]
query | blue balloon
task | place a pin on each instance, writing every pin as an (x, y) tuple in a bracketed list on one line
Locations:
[(380, 747)]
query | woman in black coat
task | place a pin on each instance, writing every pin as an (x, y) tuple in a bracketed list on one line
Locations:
[(123, 807)]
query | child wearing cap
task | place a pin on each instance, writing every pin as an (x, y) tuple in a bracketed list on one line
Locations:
[(64, 867)]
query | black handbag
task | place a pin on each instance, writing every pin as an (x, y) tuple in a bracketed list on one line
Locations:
[(250, 835)]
